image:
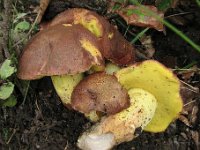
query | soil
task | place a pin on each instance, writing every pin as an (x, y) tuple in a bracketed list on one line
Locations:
[(42, 122)]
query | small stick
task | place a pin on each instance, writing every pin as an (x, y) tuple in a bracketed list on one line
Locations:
[(6, 27), (14, 131)]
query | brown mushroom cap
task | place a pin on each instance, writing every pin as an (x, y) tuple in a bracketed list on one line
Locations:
[(100, 92), (114, 46), (62, 49)]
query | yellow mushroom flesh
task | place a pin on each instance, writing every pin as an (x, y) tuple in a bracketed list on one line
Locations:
[(90, 22), (122, 125)]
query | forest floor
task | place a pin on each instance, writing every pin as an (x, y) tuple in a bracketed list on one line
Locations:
[(42, 122)]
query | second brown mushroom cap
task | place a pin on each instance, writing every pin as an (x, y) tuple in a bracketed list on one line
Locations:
[(100, 92)]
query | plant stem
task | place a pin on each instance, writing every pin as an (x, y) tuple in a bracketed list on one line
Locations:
[(139, 35), (182, 35), (198, 2), (26, 92), (171, 27)]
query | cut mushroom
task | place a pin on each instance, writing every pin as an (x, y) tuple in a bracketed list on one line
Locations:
[(114, 46), (61, 50), (99, 92), (121, 127), (155, 102)]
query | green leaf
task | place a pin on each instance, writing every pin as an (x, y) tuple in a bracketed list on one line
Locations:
[(10, 102), (164, 4), (135, 11), (134, 2), (139, 35), (6, 90), (22, 26), (6, 69), (120, 1), (116, 7), (198, 2)]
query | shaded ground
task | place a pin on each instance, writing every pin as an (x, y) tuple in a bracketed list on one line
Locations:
[(44, 123)]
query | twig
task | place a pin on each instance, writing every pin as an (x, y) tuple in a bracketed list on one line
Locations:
[(26, 92), (178, 14), (6, 27), (189, 103), (13, 133), (43, 6), (191, 88)]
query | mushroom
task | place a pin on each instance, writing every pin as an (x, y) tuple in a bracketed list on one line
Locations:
[(114, 47), (63, 52), (99, 92), (155, 78), (111, 68), (155, 102)]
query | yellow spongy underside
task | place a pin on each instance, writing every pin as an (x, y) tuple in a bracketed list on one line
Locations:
[(155, 78), (65, 84)]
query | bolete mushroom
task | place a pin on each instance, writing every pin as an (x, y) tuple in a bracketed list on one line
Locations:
[(64, 52), (155, 102), (99, 92), (114, 47)]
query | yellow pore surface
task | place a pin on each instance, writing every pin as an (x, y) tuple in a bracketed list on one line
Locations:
[(162, 83), (65, 84)]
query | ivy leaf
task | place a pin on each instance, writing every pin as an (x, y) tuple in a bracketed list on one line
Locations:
[(6, 69), (6, 90), (22, 26), (10, 102)]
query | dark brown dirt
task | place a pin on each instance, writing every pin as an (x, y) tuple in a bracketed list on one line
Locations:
[(44, 123)]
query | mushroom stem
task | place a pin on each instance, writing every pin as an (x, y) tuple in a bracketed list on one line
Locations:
[(122, 125), (111, 68), (64, 86)]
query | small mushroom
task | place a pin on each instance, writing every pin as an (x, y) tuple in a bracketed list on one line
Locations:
[(63, 52), (114, 46), (155, 102), (99, 92)]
